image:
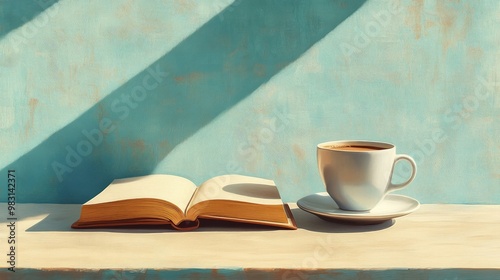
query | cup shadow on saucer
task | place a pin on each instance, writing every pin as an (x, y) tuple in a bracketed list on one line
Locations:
[(312, 222)]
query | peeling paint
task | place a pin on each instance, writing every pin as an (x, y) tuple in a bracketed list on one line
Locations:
[(415, 11), (192, 77), (259, 69), (299, 152), (454, 22), (33, 103)]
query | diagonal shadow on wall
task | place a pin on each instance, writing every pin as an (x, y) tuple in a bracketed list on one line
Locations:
[(131, 130), (14, 14)]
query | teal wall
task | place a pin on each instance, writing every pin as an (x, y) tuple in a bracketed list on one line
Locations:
[(93, 91)]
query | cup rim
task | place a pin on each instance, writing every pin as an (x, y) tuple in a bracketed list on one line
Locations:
[(379, 144)]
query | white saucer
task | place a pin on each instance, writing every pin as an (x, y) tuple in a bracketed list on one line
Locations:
[(392, 206)]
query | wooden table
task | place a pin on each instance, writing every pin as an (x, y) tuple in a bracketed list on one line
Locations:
[(436, 241)]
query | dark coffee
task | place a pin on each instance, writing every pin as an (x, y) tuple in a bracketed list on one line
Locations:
[(357, 148)]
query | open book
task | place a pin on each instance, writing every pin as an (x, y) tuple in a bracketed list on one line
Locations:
[(167, 199)]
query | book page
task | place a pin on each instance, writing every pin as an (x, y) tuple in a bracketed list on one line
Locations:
[(238, 188), (174, 189)]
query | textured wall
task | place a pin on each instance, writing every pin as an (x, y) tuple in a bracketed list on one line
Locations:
[(93, 91)]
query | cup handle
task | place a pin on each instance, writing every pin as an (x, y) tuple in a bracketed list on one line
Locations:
[(394, 187)]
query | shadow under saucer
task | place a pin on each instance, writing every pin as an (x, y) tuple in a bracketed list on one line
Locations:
[(311, 222)]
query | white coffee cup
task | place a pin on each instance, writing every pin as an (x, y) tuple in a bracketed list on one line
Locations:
[(357, 174)]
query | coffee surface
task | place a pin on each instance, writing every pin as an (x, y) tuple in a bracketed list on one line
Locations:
[(354, 148)]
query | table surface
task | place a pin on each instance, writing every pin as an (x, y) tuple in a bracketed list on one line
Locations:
[(434, 237)]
